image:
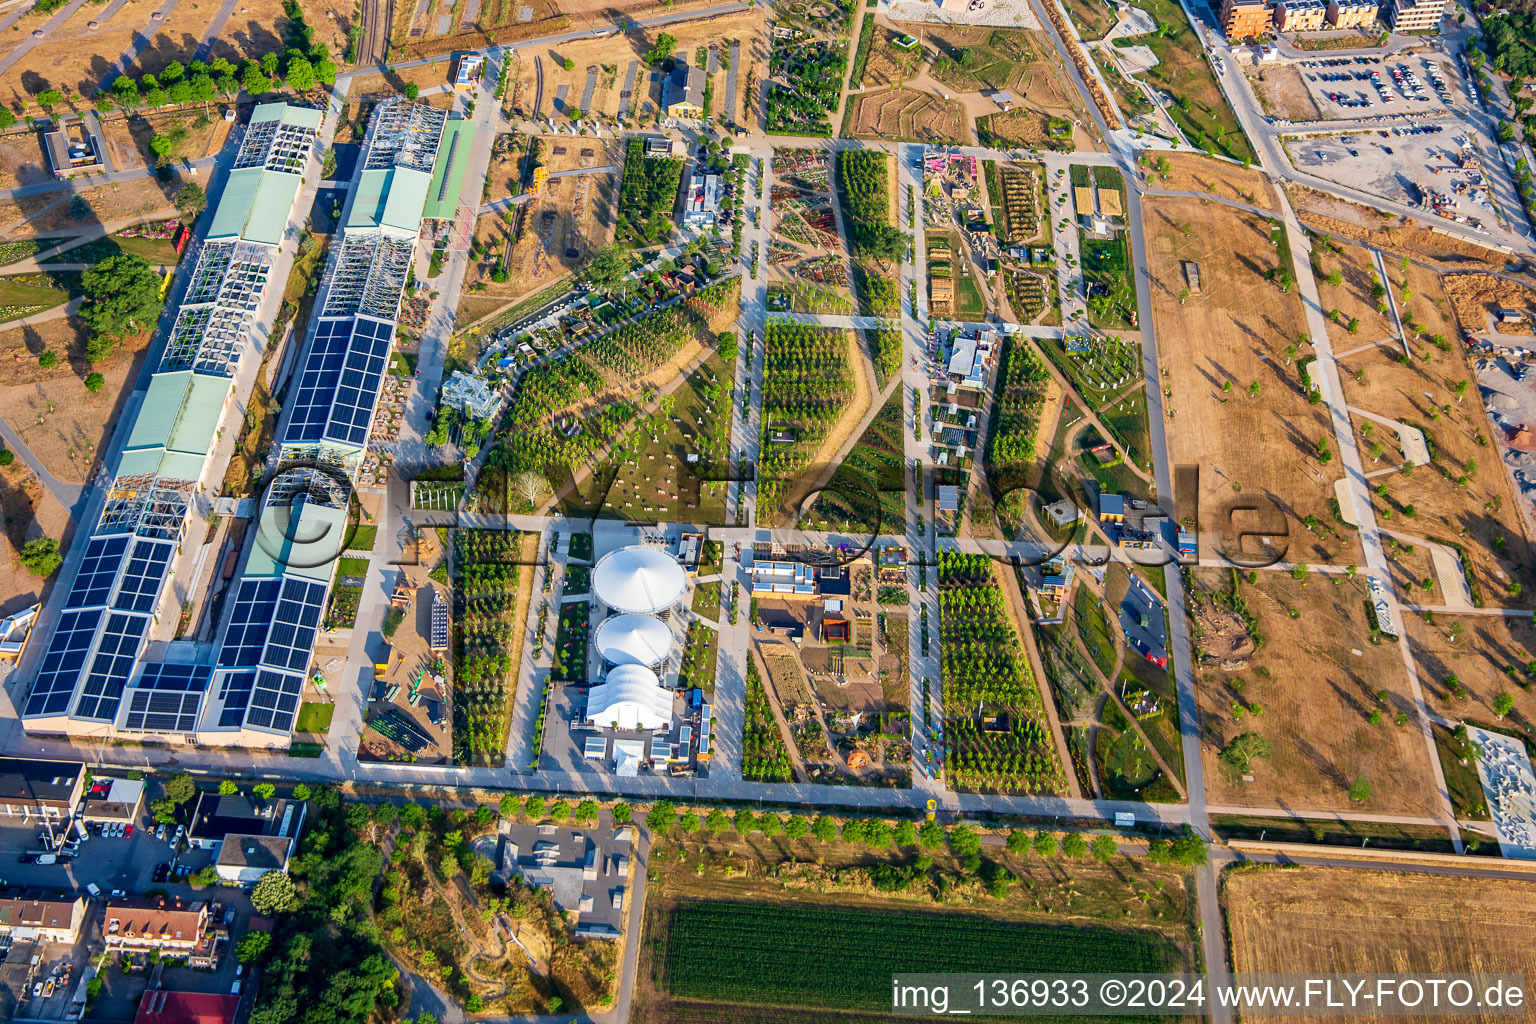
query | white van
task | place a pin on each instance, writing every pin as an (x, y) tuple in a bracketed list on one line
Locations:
[(95, 892)]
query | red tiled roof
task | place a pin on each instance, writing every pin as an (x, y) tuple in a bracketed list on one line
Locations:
[(162, 1007)]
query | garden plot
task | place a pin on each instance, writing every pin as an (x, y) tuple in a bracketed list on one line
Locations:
[(1333, 705), (1236, 331), (807, 264), (889, 64), (909, 115), (1333, 919)]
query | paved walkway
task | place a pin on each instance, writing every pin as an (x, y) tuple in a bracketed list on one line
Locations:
[(65, 493)]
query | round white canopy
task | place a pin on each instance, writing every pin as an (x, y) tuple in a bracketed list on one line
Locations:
[(634, 640), (638, 580), (630, 698)]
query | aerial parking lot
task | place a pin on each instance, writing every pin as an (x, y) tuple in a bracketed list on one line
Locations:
[(1353, 87)]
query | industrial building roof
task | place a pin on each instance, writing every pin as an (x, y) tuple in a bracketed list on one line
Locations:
[(448, 171), (173, 432), (302, 540)]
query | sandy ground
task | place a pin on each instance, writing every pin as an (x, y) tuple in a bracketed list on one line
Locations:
[(1315, 679), (54, 211), (1282, 92), (1485, 646), (30, 512), (1252, 452), (1186, 172), (1351, 296), (1331, 919), (1393, 234), (63, 423), (1477, 298)]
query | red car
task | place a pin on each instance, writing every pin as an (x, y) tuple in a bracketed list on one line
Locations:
[(128, 832)]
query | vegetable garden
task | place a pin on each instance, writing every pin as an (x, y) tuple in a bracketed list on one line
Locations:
[(806, 385), (486, 570), (996, 738)]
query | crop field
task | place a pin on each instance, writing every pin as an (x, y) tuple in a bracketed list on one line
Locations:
[(996, 735), (1333, 919), (907, 114), (1328, 697), (766, 954), (1237, 329), (806, 387)]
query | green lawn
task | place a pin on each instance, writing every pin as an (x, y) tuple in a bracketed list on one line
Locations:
[(1107, 262), (364, 538), (706, 600), (402, 364), (1200, 109), (352, 567), (1127, 421), (159, 251), (968, 300), (1461, 780), (314, 717), (26, 294), (1093, 627)]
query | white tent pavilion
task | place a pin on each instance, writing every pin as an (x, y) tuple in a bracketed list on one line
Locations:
[(639, 580), (630, 698), (634, 640)]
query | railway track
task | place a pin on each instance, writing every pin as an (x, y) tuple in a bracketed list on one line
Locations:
[(373, 41), (538, 86)]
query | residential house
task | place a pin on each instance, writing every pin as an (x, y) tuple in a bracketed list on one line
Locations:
[(683, 95), (162, 1007), (46, 789), (244, 859), (169, 926), (1301, 15), (1415, 15), (1352, 13), (40, 920), (1245, 19)]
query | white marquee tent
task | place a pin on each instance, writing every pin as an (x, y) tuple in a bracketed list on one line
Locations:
[(638, 580), (634, 640), (630, 698)]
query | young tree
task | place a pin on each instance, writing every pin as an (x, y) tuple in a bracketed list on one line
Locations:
[(824, 828), (1360, 790), (1018, 841), (1074, 846), (663, 815), (41, 556), (607, 267), (1244, 748), (717, 821), (411, 90), (228, 788), (264, 791), (1103, 847), (191, 201), (586, 811), (689, 822), (7, 457), (1046, 844), (49, 98), (1503, 704), (620, 813), (510, 806), (300, 74), (796, 827)]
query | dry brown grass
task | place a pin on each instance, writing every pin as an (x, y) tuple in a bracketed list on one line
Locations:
[(909, 114), (1250, 450), (1333, 919), (1190, 173), (1351, 296), (1315, 677), (29, 512), (1477, 297), (1486, 646), (1390, 233), (1283, 93), (53, 211)]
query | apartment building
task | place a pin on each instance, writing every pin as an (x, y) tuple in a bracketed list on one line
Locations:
[(1352, 13), (1301, 15), (170, 926), (1415, 15), (1246, 19)]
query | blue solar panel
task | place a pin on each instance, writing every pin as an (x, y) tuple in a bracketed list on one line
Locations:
[(318, 382), (116, 652), (235, 691), (67, 650), (145, 573), (98, 570), (255, 603), (358, 391), (275, 700), (292, 637), (167, 698)]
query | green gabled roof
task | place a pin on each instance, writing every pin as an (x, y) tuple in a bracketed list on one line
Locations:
[(308, 548), (200, 412), (269, 210), (407, 196), (157, 415), (235, 204), (300, 117), (141, 461), (368, 199), (452, 157)]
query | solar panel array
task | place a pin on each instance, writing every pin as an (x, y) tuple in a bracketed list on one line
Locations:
[(235, 691), (275, 700), (116, 652), (167, 698), (103, 560), (339, 386), (249, 621), (68, 650), (292, 638), (146, 571)]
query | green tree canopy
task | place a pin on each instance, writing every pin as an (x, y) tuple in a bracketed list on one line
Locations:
[(273, 894), (41, 556), (122, 296)]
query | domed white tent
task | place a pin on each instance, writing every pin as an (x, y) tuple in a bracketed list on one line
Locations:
[(634, 640), (638, 580), (630, 698)]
